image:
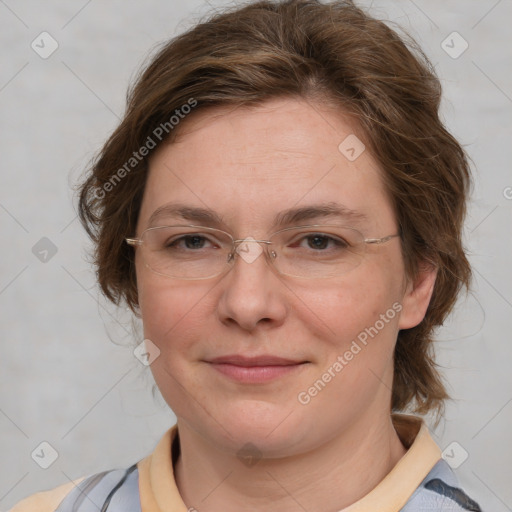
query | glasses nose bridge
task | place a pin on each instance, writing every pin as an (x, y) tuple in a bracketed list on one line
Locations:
[(239, 241)]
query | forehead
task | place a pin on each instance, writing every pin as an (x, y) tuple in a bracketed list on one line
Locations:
[(248, 164)]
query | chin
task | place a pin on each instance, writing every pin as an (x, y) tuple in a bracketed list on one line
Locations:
[(272, 429)]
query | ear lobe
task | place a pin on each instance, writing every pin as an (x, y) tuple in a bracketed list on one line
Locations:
[(417, 297)]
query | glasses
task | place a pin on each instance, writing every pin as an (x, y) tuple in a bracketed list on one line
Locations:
[(197, 252)]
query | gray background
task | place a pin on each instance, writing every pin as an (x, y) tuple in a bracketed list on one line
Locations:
[(68, 375)]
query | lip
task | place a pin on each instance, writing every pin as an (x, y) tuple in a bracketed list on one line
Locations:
[(262, 360), (257, 369)]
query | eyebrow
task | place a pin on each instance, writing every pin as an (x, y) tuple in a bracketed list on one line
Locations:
[(291, 216), (193, 214), (311, 212)]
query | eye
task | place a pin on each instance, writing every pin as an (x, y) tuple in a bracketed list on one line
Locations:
[(321, 242), (189, 242)]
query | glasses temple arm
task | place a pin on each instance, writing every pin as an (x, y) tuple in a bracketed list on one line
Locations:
[(133, 241)]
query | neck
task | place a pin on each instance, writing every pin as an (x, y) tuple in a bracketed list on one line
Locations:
[(331, 477)]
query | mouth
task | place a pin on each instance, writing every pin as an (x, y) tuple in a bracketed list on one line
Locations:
[(254, 370)]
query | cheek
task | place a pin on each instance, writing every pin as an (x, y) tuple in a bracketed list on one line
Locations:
[(170, 310), (355, 347), (174, 318), (358, 322), (343, 310)]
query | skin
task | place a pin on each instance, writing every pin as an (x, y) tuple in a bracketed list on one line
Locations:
[(247, 165)]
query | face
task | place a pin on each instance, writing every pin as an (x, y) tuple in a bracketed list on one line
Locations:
[(251, 355)]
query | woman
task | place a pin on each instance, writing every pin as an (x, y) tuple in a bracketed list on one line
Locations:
[(282, 207)]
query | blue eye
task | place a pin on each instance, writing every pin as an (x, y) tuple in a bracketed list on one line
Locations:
[(187, 242), (321, 242)]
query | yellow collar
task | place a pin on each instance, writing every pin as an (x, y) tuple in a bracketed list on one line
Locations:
[(159, 493)]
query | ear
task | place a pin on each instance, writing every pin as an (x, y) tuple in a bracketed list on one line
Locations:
[(417, 297)]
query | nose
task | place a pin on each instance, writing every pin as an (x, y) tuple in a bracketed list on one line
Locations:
[(251, 294)]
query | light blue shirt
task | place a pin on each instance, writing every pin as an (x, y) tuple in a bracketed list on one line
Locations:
[(118, 491)]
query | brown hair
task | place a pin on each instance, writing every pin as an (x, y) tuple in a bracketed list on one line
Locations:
[(334, 53)]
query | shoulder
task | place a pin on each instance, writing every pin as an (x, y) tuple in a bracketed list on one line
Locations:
[(46, 501), (115, 490), (440, 491)]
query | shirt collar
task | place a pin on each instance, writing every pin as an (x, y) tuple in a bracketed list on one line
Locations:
[(159, 493)]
